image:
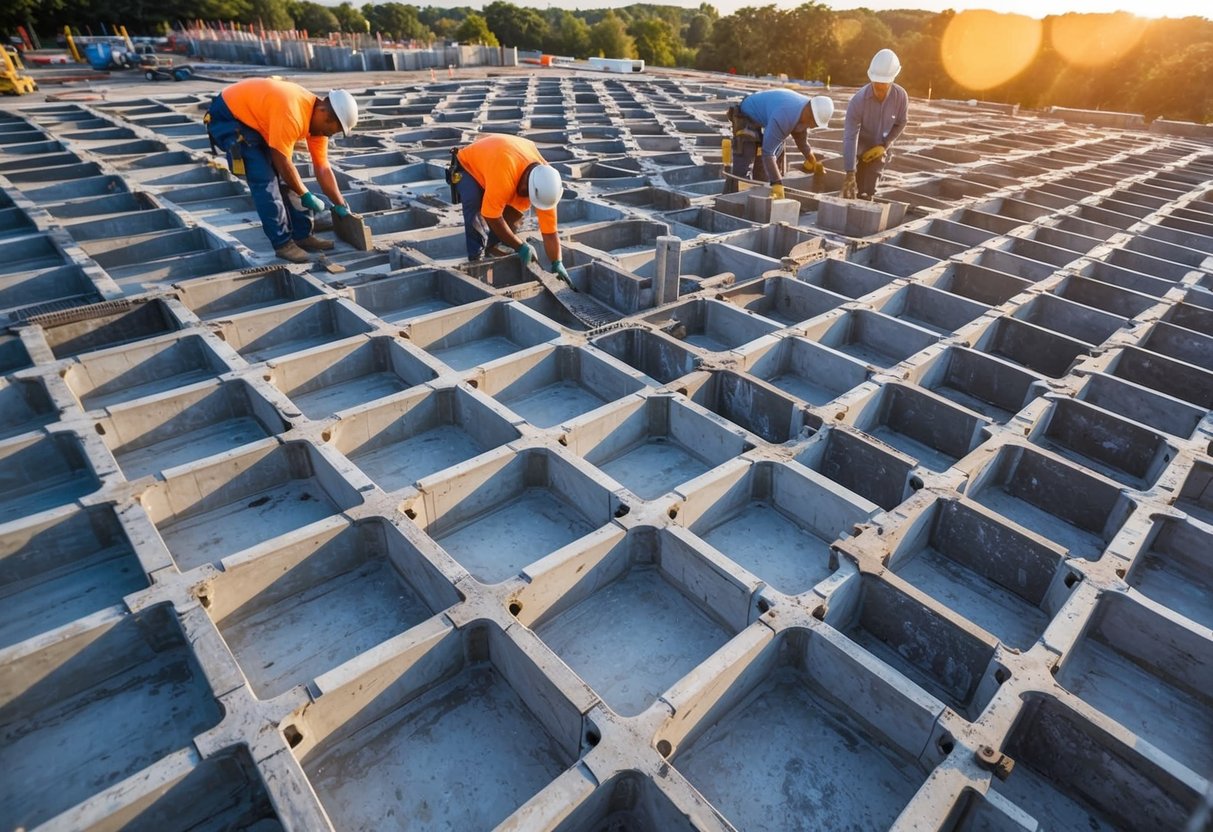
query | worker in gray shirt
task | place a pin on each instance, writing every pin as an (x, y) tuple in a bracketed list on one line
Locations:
[(765, 119), (875, 118)]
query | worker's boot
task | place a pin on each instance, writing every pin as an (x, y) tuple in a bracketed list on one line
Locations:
[(314, 243), (292, 253)]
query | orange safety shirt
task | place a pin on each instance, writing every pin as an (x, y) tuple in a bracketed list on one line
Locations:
[(280, 111), (497, 162)]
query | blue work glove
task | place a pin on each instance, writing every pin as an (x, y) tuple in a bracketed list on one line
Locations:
[(525, 253), (560, 271), (341, 210), (312, 202)]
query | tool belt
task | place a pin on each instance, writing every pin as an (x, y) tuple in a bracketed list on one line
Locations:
[(454, 174), (744, 127)]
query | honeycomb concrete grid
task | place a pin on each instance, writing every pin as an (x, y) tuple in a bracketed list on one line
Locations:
[(911, 530)]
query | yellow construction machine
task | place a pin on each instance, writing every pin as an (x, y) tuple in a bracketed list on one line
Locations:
[(12, 80)]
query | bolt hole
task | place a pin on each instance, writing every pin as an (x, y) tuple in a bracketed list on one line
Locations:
[(683, 391), (673, 512), (622, 510), (1072, 579), (664, 748), (764, 605), (563, 440), (1002, 675), (475, 385), (839, 415), (100, 428), (819, 612), (293, 735), (1053, 670), (410, 513), (515, 608), (404, 335), (1120, 573), (267, 377), (946, 744), (325, 436), (592, 737), (204, 600), (916, 483)]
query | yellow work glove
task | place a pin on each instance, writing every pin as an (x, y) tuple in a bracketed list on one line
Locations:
[(777, 191), (812, 166), (872, 153), (849, 189)]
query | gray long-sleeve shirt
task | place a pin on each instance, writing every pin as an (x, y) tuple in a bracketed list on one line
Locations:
[(870, 122)]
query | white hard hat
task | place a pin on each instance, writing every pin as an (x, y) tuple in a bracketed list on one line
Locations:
[(884, 67), (545, 187), (345, 108), (823, 109)]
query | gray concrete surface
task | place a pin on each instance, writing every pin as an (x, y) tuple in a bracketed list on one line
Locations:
[(768, 527)]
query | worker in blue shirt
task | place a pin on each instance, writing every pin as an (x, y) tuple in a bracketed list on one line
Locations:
[(875, 118), (766, 119)]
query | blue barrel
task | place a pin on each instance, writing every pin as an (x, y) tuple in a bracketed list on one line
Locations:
[(99, 55)]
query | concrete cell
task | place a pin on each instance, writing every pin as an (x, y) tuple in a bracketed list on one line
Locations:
[(290, 328), (1070, 319), (1032, 347), (129, 676), (787, 704), (1133, 401), (806, 370), (480, 333), (1129, 657), (919, 424), (28, 254), (327, 380), (1055, 750), (412, 437), (874, 472), (1125, 278), (775, 521), (784, 300), (43, 471), (452, 713), (892, 260), (984, 285), (755, 408), (652, 445), (1174, 568), (658, 357), (308, 606), (1052, 498), (931, 309), (871, 337), (549, 386), (472, 513), (396, 298), (1124, 303), (66, 566), (629, 801), (24, 406), (995, 576), (124, 373), (643, 615), (710, 325), (1181, 344), (945, 660), (206, 512), (219, 296), (1174, 378)]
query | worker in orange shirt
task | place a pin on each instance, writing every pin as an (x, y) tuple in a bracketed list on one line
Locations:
[(497, 178), (256, 122)]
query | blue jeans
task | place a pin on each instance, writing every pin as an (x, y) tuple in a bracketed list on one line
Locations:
[(745, 156), (476, 231), (281, 221)]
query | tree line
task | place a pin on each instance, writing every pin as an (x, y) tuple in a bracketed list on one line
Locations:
[(1154, 67)]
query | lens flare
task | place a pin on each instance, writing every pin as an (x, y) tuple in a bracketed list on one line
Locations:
[(982, 49), (1093, 40)]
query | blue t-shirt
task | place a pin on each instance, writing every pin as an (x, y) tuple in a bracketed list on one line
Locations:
[(778, 111)]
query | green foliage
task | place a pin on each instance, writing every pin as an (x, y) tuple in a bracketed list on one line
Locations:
[(698, 30), (350, 19), (475, 29), (272, 14), (860, 35), (524, 28), (567, 35), (609, 38), (655, 41), (396, 21), (769, 40), (318, 20)]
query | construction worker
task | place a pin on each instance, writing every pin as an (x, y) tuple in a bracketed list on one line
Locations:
[(766, 119), (497, 178), (256, 122), (875, 118)]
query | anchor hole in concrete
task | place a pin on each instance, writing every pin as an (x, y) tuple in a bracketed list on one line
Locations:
[(1001, 675), (473, 383), (764, 605), (946, 744), (1072, 579), (819, 612), (515, 608), (410, 513), (100, 428), (622, 511), (326, 435), (293, 735), (592, 737), (916, 483), (664, 748)]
